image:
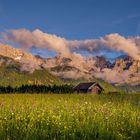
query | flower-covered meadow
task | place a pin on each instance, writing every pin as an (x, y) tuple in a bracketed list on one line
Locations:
[(69, 117)]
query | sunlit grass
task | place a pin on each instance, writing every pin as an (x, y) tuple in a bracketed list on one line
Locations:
[(71, 116)]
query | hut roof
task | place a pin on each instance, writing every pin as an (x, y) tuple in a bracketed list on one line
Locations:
[(85, 85)]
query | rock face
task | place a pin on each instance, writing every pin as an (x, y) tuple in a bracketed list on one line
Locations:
[(68, 68), (28, 61), (102, 63), (133, 66), (6, 61), (122, 64), (127, 70)]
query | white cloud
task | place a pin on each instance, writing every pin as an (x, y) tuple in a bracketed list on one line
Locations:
[(27, 39)]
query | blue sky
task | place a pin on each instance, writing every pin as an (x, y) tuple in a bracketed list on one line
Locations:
[(72, 19)]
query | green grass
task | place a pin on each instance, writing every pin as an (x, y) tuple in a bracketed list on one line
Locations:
[(10, 75), (69, 117)]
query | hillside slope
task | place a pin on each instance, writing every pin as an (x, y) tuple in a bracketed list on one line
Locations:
[(10, 74)]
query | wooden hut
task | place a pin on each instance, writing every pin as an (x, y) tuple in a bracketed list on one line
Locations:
[(89, 87)]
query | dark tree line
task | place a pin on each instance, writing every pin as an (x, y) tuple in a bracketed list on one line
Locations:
[(38, 89)]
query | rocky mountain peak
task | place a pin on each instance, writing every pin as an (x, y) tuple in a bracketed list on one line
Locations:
[(28, 61), (127, 63), (101, 62)]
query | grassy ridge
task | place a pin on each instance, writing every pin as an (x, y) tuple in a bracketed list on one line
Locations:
[(10, 75), (85, 117)]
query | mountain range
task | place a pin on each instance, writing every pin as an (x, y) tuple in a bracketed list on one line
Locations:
[(124, 69)]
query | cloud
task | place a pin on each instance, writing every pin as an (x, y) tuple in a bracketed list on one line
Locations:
[(116, 42), (113, 76), (27, 39), (119, 43), (38, 39), (136, 40)]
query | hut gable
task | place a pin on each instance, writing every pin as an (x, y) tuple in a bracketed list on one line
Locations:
[(89, 87)]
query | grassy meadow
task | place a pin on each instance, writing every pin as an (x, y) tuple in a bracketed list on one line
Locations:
[(69, 117)]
